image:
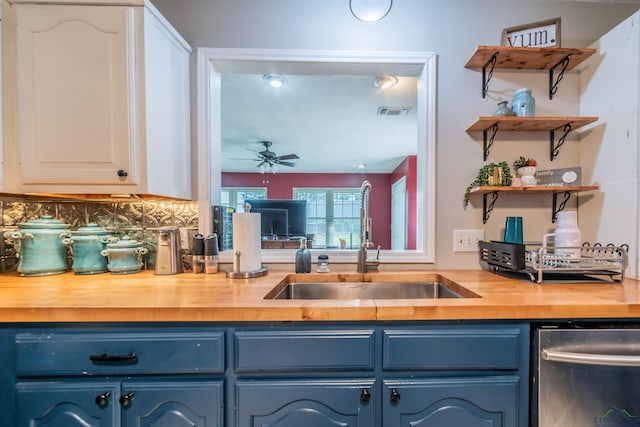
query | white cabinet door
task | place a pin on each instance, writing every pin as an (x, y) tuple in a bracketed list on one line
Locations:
[(168, 133), (76, 94)]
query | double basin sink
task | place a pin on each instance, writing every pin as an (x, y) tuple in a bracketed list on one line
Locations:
[(367, 286)]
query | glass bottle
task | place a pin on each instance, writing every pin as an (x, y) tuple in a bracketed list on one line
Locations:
[(303, 258), (503, 109), (524, 104)]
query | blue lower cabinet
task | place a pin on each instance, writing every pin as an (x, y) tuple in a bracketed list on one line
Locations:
[(306, 403), (67, 403), (172, 403), (81, 403), (488, 401)]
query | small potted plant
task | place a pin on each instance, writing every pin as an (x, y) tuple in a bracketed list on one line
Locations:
[(496, 174), (526, 170)]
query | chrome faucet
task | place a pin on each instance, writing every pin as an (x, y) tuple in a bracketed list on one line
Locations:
[(365, 227)]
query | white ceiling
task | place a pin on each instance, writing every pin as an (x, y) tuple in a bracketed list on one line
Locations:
[(330, 121)]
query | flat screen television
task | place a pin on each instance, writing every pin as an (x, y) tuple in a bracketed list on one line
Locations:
[(296, 216)]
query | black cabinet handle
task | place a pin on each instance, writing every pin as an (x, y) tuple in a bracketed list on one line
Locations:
[(365, 396), (102, 400), (122, 173), (125, 400), (395, 396), (114, 358)]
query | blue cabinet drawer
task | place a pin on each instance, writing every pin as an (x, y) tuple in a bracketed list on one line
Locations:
[(290, 350), (110, 353), (452, 348)]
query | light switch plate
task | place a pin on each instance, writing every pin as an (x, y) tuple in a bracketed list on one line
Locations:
[(467, 240)]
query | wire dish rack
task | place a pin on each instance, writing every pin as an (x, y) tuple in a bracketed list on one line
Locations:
[(536, 260)]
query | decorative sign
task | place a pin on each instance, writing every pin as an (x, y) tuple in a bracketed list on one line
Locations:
[(537, 34), (560, 177)]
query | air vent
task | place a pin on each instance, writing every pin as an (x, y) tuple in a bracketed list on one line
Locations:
[(393, 111)]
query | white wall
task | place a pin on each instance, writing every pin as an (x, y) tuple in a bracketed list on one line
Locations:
[(609, 149), (452, 29)]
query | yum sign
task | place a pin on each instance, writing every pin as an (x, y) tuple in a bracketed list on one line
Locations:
[(536, 34)]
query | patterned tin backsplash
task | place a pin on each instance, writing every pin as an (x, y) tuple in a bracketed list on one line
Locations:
[(139, 219)]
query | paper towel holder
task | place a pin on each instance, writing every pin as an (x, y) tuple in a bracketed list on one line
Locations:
[(236, 273)]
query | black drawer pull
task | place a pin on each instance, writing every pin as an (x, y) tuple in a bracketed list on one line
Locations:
[(114, 358), (395, 396), (365, 395)]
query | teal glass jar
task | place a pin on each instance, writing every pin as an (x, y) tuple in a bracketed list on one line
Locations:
[(524, 104)]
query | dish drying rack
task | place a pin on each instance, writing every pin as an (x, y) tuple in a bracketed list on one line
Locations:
[(536, 260)]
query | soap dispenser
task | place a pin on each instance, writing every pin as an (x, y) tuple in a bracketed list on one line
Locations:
[(303, 258)]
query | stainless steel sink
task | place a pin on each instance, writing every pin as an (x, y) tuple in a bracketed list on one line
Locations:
[(362, 290)]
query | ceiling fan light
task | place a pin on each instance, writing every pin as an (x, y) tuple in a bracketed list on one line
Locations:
[(385, 82), (370, 10), (275, 80)]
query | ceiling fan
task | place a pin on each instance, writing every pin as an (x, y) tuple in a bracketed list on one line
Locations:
[(268, 159)]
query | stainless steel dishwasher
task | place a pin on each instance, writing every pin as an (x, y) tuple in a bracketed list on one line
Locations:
[(586, 377)]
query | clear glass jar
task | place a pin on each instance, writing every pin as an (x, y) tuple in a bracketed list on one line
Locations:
[(323, 264)]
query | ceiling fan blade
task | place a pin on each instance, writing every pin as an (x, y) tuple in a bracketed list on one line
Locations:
[(291, 164), (288, 157), (242, 158)]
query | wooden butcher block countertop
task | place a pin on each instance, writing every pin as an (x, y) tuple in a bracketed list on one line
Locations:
[(188, 297)]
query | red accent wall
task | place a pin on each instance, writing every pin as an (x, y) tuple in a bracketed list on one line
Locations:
[(408, 168), (281, 185)]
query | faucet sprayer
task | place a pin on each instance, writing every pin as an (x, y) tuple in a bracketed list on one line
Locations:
[(365, 220), (365, 227)]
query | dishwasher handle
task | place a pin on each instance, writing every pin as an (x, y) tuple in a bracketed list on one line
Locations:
[(590, 358)]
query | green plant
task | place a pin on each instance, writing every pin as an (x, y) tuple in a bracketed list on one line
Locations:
[(523, 161), (484, 177)]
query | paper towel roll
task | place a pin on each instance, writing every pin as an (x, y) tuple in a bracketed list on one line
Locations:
[(246, 239)]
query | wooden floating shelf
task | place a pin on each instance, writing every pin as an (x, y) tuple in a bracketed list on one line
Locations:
[(528, 58), (495, 190), (529, 124), (485, 189)]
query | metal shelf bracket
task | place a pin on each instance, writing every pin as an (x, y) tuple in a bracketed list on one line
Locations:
[(554, 148), (486, 76), (558, 207), (553, 85), (487, 141), (487, 206)]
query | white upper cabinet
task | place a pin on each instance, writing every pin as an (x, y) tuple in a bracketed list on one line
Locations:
[(102, 101)]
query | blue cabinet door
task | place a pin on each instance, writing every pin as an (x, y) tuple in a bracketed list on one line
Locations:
[(67, 404), (437, 402), (300, 403), (172, 403)]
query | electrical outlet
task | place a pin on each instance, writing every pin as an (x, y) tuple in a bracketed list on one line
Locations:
[(467, 240)]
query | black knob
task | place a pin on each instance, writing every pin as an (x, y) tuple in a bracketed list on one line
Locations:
[(122, 173), (102, 400), (395, 396), (125, 400), (365, 396)]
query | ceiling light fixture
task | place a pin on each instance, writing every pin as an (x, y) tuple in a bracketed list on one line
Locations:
[(385, 82), (275, 80), (370, 10)]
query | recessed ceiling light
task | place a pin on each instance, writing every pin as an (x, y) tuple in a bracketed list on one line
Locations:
[(275, 80), (362, 165), (385, 82)]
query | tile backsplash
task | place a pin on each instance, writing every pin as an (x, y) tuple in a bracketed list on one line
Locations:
[(137, 218)]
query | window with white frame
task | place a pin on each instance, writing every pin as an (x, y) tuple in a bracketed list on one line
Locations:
[(235, 196), (333, 216)]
